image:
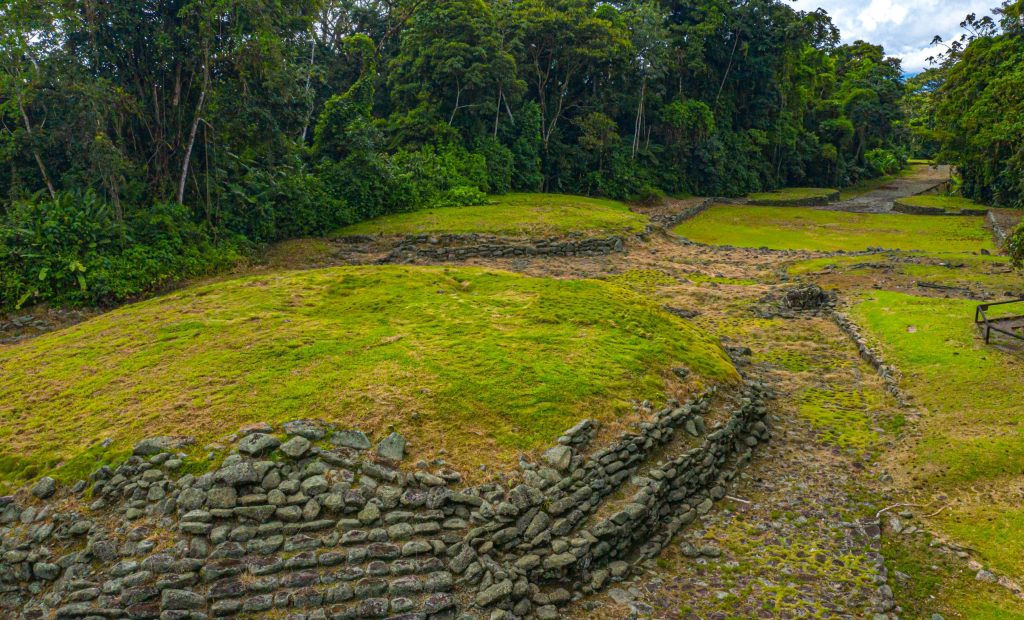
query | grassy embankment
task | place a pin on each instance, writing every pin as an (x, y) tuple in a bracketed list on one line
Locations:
[(940, 203), (483, 364), (787, 228), (528, 215), (794, 196)]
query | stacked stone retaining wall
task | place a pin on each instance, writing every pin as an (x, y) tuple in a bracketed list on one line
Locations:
[(461, 247), (308, 523)]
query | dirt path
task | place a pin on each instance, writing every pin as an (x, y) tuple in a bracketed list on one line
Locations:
[(880, 200)]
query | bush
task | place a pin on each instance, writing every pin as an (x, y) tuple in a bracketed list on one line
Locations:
[(70, 251), (441, 176), (45, 244), (1015, 246), (884, 161), (292, 202)]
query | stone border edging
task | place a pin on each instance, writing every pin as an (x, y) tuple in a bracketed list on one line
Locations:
[(539, 538), (889, 374), (902, 207), (816, 201), (473, 245), (1001, 233)]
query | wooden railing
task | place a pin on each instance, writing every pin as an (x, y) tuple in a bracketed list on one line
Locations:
[(996, 324)]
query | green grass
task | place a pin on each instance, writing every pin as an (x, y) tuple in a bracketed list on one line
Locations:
[(481, 363), (844, 417), (949, 204), (994, 274), (789, 228), (512, 214), (793, 194), (938, 585), (971, 443)]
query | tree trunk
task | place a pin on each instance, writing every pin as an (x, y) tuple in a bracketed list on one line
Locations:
[(309, 79), (195, 129), (35, 153), (728, 68)]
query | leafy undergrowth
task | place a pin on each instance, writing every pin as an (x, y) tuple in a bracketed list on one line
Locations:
[(793, 194), (531, 215), (992, 276), (792, 228), (950, 204), (480, 363), (971, 444)]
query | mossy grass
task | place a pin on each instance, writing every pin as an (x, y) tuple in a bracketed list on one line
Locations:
[(483, 364), (795, 195), (992, 273), (937, 585), (941, 203), (971, 446), (793, 228), (527, 215), (844, 417)]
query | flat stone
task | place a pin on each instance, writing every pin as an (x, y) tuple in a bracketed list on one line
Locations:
[(156, 445), (237, 474), (307, 429), (494, 593), (392, 447), (314, 485), (559, 560), (559, 457), (258, 443), (357, 440), (296, 447), (181, 599), (221, 497)]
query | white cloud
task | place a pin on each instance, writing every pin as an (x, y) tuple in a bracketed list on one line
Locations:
[(904, 27)]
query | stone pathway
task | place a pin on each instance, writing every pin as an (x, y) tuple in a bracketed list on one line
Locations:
[(880, 200)]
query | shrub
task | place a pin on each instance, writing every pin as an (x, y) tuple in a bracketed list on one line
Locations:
[(70, 251), (431, 176), (45, 244), (883, 161), (1015, 246)]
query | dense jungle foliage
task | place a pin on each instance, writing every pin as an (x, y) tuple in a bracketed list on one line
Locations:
[(146, 140), (967, 110)]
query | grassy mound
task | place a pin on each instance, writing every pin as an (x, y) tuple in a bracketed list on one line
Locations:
[(480, 363), (530, 215), (937, 204), (991, 275), (795, 196), (971, 445), (782, 228)]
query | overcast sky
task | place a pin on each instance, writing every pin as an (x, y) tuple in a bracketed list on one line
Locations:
[(904, 27)]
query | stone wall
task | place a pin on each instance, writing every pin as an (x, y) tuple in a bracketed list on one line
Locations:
[(901, 206), (460, 247), (816, 201), (1001, 232), (308, 523), (890, 375)]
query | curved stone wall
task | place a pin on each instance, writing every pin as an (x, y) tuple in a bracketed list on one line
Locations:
[(307, 523)]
